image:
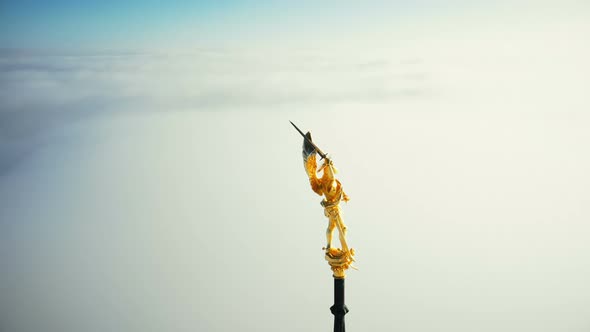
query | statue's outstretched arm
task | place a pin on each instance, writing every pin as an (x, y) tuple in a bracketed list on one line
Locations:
[(345, 196)]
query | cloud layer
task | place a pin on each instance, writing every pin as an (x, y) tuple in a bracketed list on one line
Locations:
[(164, 191)]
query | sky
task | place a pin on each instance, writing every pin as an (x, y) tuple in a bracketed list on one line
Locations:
[(150, 179), (195, 24)]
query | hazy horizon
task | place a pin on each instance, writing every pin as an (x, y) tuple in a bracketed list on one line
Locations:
[(150, 179)]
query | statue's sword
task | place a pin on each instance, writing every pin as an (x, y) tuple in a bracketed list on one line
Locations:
[(322, 154)]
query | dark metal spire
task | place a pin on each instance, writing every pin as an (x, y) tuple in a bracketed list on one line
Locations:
[(339, 309)]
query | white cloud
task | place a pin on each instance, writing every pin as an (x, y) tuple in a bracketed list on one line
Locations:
[(164, 191)]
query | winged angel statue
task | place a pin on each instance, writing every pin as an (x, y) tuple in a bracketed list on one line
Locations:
[(328, 186)]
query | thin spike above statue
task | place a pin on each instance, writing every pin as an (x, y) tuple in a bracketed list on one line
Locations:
[(328, 186)]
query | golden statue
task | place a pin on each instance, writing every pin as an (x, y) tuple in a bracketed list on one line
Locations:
[(328, 186)]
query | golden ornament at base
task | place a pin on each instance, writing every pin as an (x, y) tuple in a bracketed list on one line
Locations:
[(339, 260)]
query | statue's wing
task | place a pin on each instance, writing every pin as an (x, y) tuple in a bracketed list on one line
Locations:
[(308, 148), (309, 162)]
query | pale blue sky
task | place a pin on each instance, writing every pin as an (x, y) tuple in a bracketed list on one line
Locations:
[(132, 24)]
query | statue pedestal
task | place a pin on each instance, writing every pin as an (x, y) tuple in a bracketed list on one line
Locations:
[(339, 261)]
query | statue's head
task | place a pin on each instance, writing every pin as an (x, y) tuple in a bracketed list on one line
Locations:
[(328, 167)]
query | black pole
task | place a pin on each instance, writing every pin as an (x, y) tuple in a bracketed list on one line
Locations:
[(339, 309)]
